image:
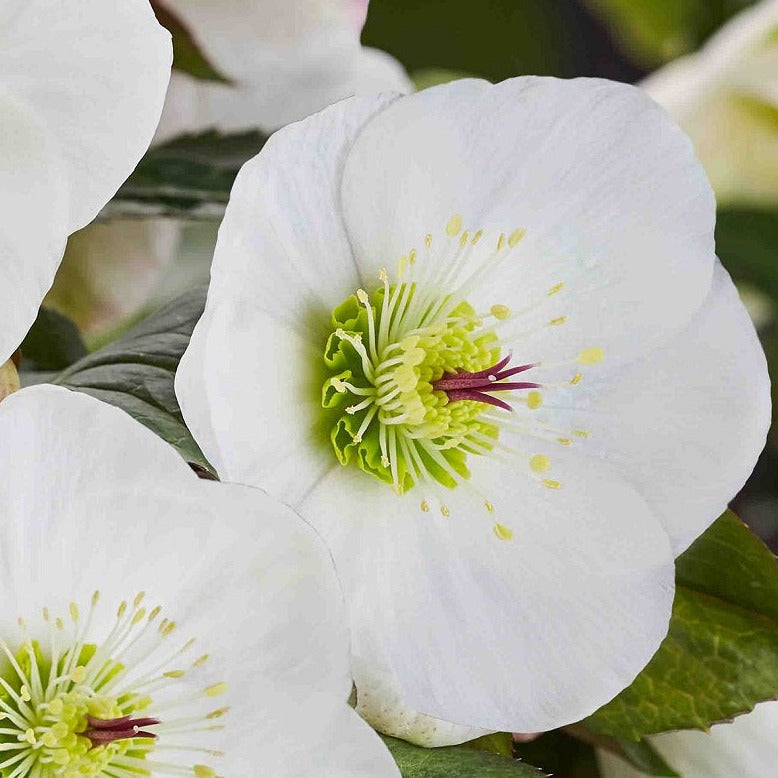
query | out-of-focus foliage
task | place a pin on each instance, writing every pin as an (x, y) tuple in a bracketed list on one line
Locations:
[(651, 32)]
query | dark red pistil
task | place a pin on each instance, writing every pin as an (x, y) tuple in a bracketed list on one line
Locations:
[(102, 731), (479, 386)]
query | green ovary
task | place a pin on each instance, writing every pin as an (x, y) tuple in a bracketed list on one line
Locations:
[(42, 728), (387, 416)]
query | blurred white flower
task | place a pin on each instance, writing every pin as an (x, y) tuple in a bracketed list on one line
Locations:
[(726, 98), (285, 59), (157, 624), (82, 91), (745, 748), (474, 328)]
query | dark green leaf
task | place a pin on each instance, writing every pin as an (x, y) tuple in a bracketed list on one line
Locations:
[(456, 762), (53, 343), (136, 373), (187, 55), (559, 754), (721, 654), (496, 743), (190, 176), (747, 242)]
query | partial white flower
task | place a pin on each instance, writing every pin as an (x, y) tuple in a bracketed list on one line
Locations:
[(81, 92), (285, 59), (479, 337), (726, 98), (166, 626), (744, 748)]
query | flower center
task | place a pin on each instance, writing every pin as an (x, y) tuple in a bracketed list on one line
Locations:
[(74, 708), (418, 380)]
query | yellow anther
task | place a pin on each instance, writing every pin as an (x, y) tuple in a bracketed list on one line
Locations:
[(174, 674), (200, 661), (501, 241), (203, 771), (402, 265), (357, 438), (489, 506), (25, 693), (564, 441), (576, 379), (121, 610), (29, 736), (58, 623), (362, 296), (555, 289), (425, 506), (581, 433), (338, 385), (501, 312), (139, 616), (138, 599), (559, 320), (383, 276), (454, 225), (477, 237), (218, 713), (56, 706), (216, 690), (74, 613), (464, 239), (502, 532), (539, 463), (552, 484), (591, 356), (95, 598), (155, 612), (385, 461), (534, 400), (516, 237), (428, 240), (445, 511), (412, 254), (167, 628), (46, 614), (351, 410), (78, 675)]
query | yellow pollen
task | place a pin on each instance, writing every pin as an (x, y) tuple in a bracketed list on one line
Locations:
[(581, 433), (155, 612), (25, 692), (138, 599), (78, 675), (385, 461), (445, 511), (477, 237), (564, 441), (59, 624), (489, 506), (502, 532), (557, 321), (167, 628), (555, 289), (383, 276), (412, 256), (74, 611), (552, 484), (464, 239), (200, 661), (427, 241), (501, 312), (454, 225), (539, 463), (501, 241), (174, 674), (576, 379), (516, 237), (121, 610), (591, 356), (216, 690), (425, 506), (218, 713), (362, 296), (534, 400), (139, 616), (203, 771)]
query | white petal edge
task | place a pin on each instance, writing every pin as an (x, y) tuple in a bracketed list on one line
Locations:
[(686, 423), (744, 748), (614, 203), (98, 91), (538, 631)]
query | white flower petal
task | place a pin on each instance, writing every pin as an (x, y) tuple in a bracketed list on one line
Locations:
[(33, 199), (479, 631), (613, 201), (744, 748), (95, 78), (98, 502), (686, 423)]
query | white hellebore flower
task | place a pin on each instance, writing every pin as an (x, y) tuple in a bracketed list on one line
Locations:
[(479, 337), (284, 60), (744, 748), (726, 97), (166, 625), (81, 90)]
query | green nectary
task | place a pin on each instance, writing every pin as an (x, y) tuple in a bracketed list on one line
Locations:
[(383, 357)]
